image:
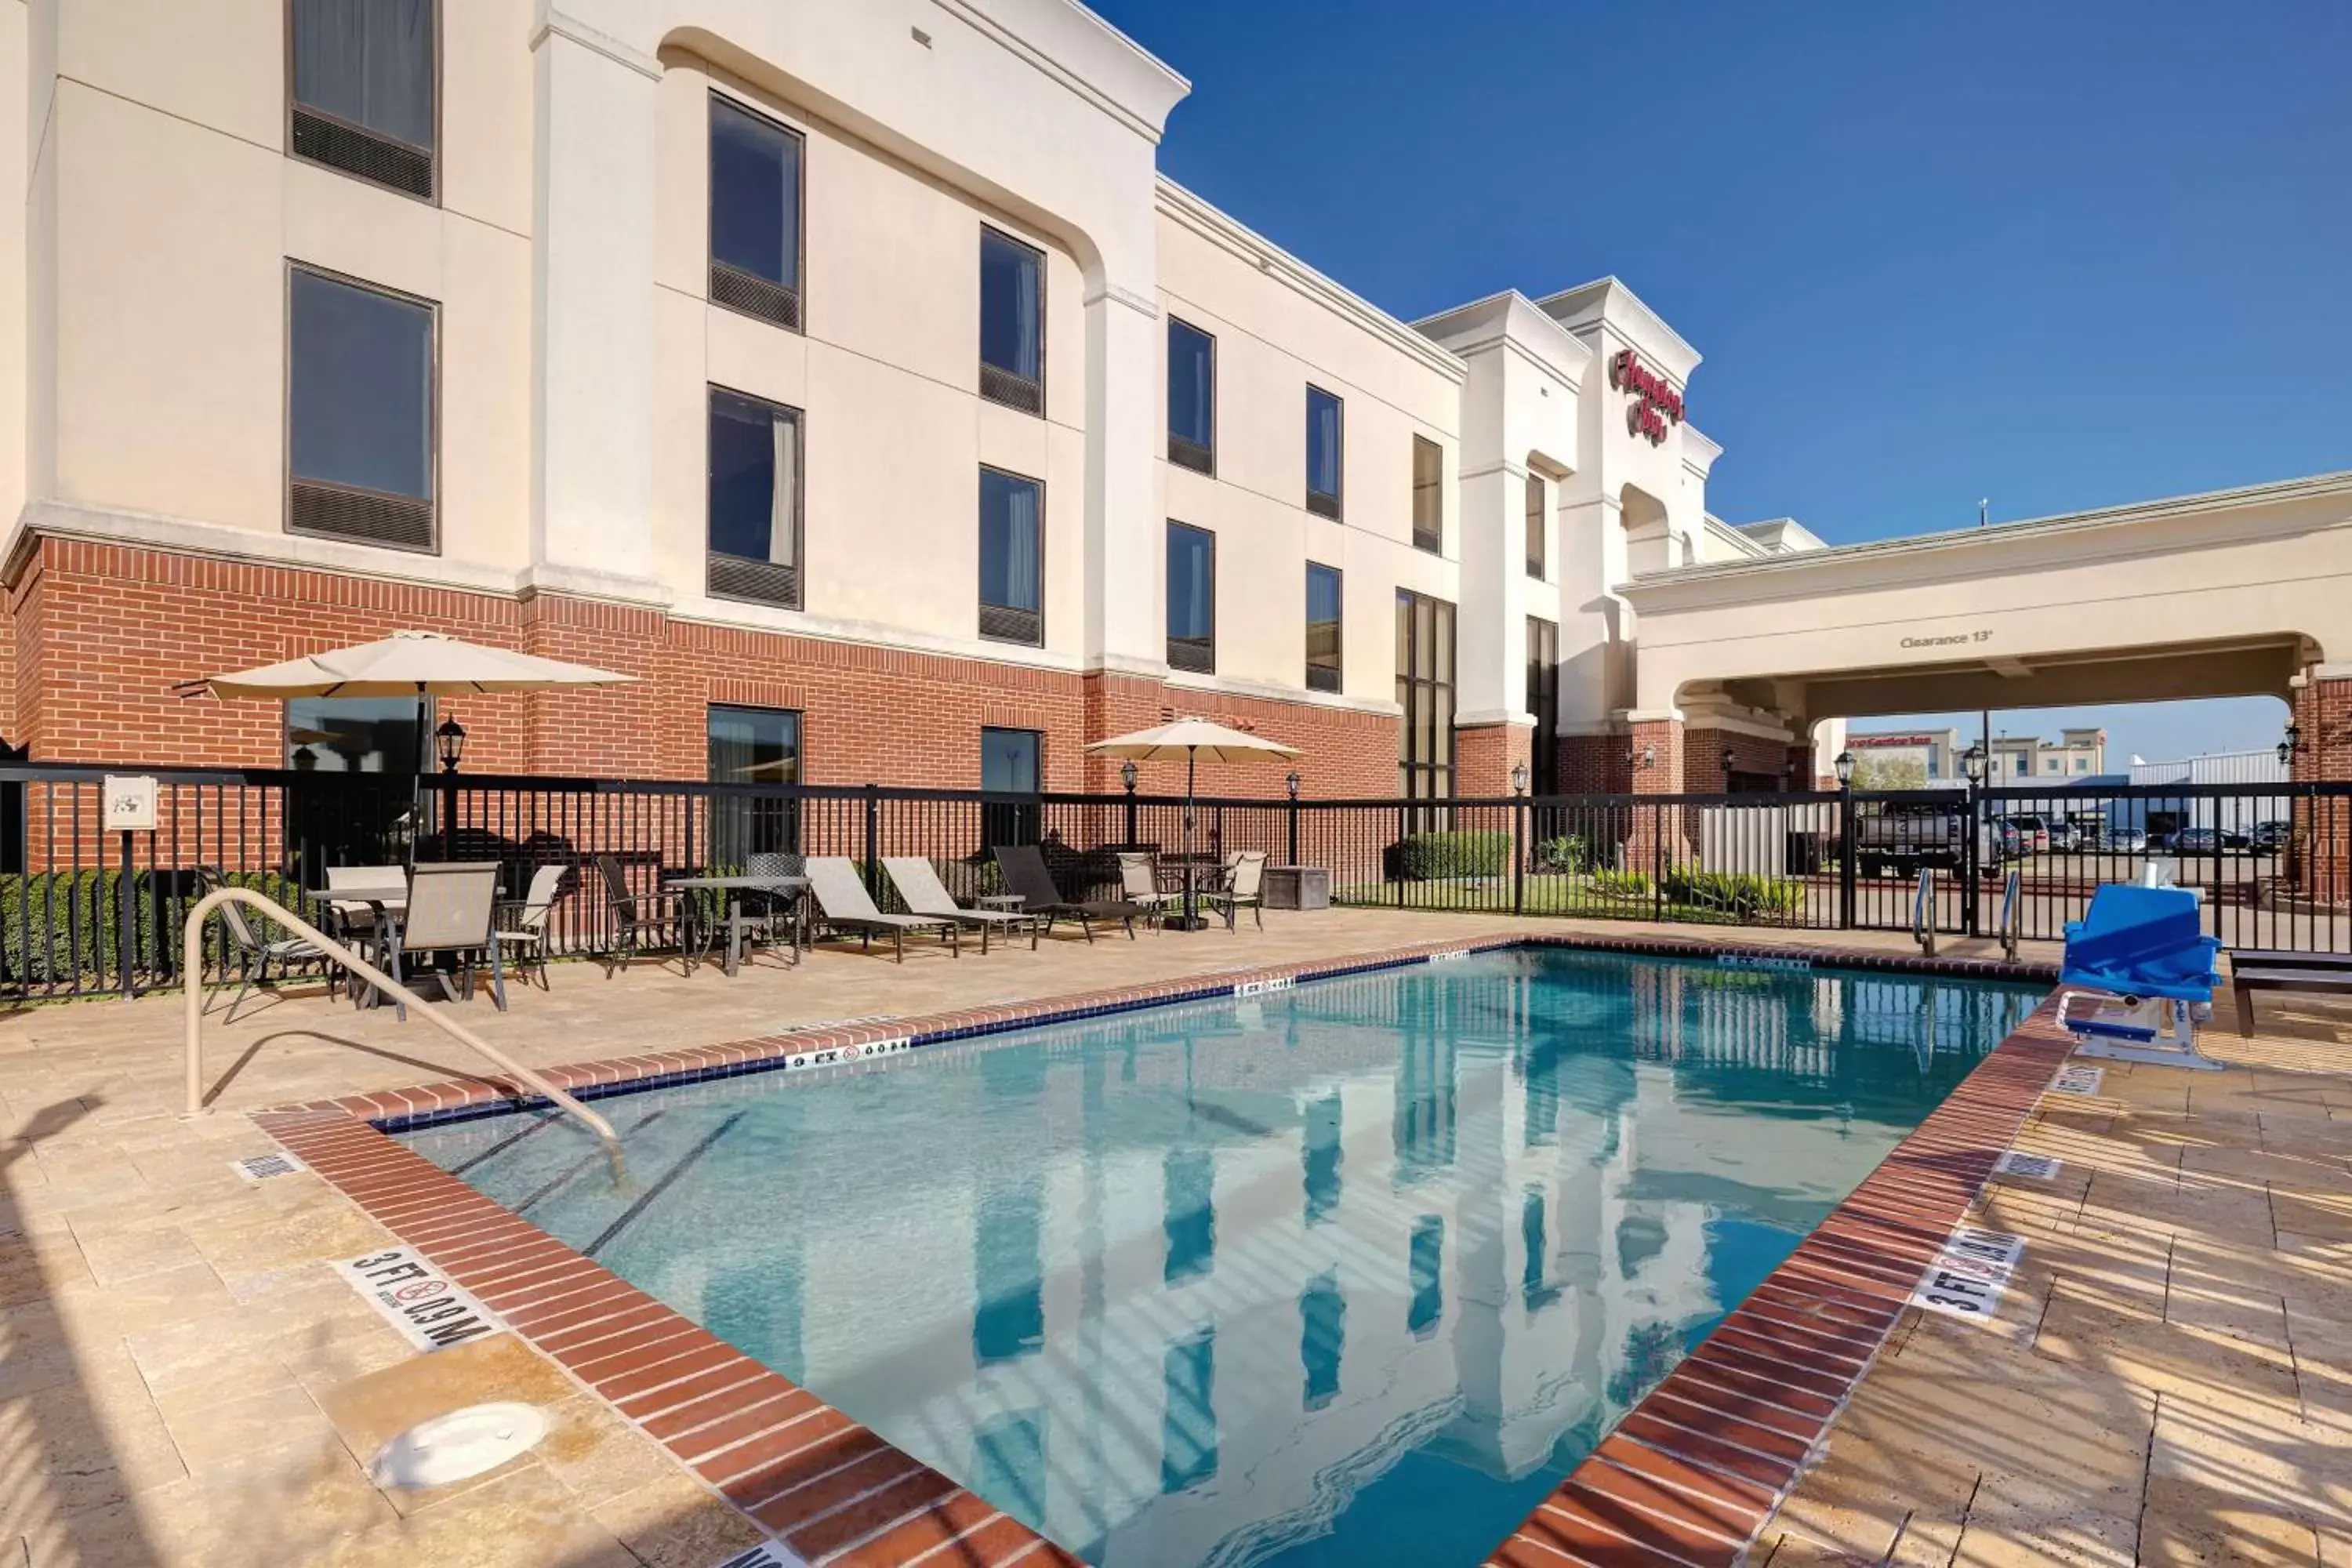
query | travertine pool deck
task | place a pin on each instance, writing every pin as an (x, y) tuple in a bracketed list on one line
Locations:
[(184, 1378)]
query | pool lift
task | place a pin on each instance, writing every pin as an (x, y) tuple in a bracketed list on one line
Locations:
[(2140, 959)]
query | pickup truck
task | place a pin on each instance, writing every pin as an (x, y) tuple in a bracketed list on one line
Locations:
[(1903, 837)]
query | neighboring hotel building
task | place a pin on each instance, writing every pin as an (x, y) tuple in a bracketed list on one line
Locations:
[(2076, 756), (844, 369)]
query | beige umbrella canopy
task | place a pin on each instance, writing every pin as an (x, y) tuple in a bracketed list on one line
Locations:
[(1192, 739), (408, 664)]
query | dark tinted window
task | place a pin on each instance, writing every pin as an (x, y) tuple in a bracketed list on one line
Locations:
[(755, 195), (1192, 395), (1192, 598), (367, 62), (1428, 495), (1011, 306), (1324, 436), (1012, 535), (1323, 600), (1424, 691), (753, 746), (754, 479), (359, 403), (1535, 525), (352, 734), (1012, 760)]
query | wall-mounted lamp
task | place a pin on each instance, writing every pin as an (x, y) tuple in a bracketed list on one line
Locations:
[(2290, 746), (1730, 757)]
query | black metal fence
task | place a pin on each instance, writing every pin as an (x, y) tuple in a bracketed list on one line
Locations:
[(83, 910)]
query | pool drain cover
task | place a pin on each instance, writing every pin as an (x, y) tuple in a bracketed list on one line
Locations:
[(463, 1443)]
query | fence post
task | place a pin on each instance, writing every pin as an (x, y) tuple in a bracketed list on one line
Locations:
[(1971, 871), (1131, 839), (1403, 828), (1845, 859), (1294, 827), (1519, 855), (873, 840), (126, 923), (1657, 861)]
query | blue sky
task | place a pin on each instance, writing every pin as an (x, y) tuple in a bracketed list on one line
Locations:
[(2057, 255)]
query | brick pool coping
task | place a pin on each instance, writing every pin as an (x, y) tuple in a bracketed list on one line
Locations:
[(1688, 1477)]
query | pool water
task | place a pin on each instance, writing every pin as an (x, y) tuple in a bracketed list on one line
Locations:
[(1349, 1273)]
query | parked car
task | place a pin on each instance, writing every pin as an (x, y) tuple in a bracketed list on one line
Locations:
[(2208, 841), (1902, 836), (2273, 836), (2032, 831), (2123, 840), (2065, 838)]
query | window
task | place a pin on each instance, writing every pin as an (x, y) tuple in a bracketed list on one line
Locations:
[(1543, 701), (759, 746), (1012, 546), (1011, 322), (1191, 399), (1192, 599), (1012, 762), (2050, 764), (353, 735), (1536, 511), (1425, 690), (1325, 439), (1428, 496), (755, 499), (2082, 765), (363, 89), (755, 214), (1323, 598), (358, 412)]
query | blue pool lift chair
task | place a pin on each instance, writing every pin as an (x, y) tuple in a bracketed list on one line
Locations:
[(2146, 950)]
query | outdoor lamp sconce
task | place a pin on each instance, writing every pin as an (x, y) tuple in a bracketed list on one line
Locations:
[(1844, 765), (1127, 774), (1729, 759), (1519, 778), (450, 742), (1290, 783), (2290, 746)]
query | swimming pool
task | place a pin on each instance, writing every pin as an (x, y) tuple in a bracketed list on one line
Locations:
[(1353, 1272)]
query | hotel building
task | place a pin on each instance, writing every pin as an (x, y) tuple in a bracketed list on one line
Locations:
[(847, 371)]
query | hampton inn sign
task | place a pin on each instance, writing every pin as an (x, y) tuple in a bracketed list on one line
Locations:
[(1655, 404)]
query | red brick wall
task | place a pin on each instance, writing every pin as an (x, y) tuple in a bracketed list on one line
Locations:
[(1484, 756), (2323, 714), (99, 634), (1703, 757), (1595, 764)]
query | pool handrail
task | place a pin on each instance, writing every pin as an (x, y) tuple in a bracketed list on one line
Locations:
[(191, 986), (1923, 912)]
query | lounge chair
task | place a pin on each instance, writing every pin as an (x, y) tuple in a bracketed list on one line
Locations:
[(1139, 882), (2257, 969), (842, 901), (1023, 865), (2149, 947), (919, 888), (1240, 885)]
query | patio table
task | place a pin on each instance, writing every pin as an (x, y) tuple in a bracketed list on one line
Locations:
[(389, 900), (793, 888)]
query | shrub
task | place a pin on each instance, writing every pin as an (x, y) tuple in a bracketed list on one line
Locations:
[(1622, 884), (1428, 856), (1564, 852), (61, 927), (1735, 892)]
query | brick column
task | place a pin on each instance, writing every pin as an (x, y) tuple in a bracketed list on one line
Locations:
[(1483, 755), (2323, 714), (1658, 748)]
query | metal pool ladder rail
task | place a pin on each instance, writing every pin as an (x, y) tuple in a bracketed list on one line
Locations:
[(192, 936), (2013, 912), (1923, 912)]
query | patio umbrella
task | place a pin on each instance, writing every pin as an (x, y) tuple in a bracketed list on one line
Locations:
[(419, 664), (1192, 739)]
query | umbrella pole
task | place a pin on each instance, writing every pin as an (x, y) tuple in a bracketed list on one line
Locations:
[(416, 779), (1191, 870)]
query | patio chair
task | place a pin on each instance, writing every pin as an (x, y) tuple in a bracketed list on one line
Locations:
[(641, 922), (1024, 869), (780, 912), (254, 956), (347, 919), (1245, 877), (919, 888), (452, 909), (523, 926), (1139, 883), (842, 899)]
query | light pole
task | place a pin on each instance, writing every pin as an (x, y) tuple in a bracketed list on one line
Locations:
[(1844, 765)]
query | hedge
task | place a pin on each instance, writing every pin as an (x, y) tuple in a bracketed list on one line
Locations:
[(1429, 857), (1735, 892), (58, 927)]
